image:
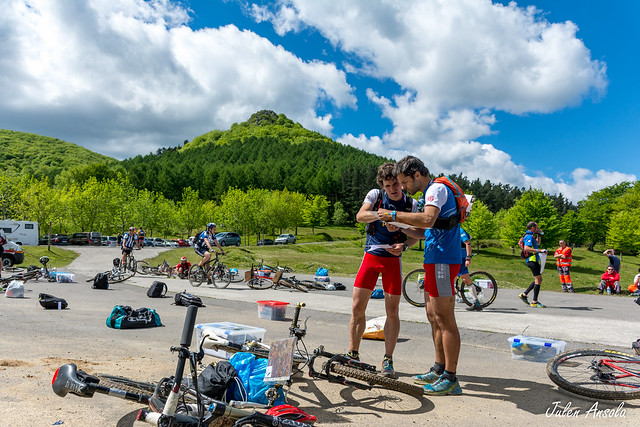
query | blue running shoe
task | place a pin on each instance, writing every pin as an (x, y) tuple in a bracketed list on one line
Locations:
[(387, 368), (428, 378), (443, 387)]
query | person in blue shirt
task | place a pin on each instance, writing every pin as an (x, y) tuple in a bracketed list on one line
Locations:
[(532, 239), (614, 261), (441, 265), (203, 244), (384, 247)]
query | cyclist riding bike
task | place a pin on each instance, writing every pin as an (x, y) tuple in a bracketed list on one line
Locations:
[(128, 240), (182, 269), (204, 242)]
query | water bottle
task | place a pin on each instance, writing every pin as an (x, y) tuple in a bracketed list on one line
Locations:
[(608, 290)]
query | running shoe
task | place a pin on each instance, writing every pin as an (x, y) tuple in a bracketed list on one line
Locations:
[(428, 378), (353, 356), (475, 307), (442, 387), (387, 368), (524, 298), (538, 305)]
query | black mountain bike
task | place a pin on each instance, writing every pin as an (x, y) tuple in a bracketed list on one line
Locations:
[(336, 368), (484, 286), (171, 402), (213, 272)]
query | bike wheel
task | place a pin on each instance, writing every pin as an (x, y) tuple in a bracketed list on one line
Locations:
[(131, 265), (117, 276), (485, 286), (291, 284), (126, 384), (143, 267), (260, 283), (312, 284), (373, 378), (413, 287), (221, 277), (196, 276), (599, 374)]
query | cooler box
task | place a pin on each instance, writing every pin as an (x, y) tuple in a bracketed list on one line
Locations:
[(535, 349), (272, 310), (322, 279), (233, 332)]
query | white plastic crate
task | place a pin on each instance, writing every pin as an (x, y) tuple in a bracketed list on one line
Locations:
[(233, 332), (535, 349)]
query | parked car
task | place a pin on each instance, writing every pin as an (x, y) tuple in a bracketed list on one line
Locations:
[(158, 241), (228, 238), (148, 242), (56, 239), (181, 242), (170, 243), (109, 241), (264, 242), (86, 238), (12, 254), (283, 239)]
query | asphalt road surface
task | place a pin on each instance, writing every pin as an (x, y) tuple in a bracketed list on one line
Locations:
[(496, 388)]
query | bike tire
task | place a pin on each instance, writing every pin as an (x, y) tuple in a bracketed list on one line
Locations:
[(291, 284), (377, 379), (119, 276), (486, 295), (312, 284), (413, 287), (221, 277), (143, 267), (577, 370), (196, 277), (260, 283), (126, 384)]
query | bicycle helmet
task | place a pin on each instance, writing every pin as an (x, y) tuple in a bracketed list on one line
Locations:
[(44, 260), (211, 225), (184, 258), (132, 228), (291, 413)]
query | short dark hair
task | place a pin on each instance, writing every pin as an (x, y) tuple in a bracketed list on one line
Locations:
[(409, 165), (385, 173), (531, 224)]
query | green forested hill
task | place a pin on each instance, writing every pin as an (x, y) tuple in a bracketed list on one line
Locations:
[(267, 151), (42, 156)]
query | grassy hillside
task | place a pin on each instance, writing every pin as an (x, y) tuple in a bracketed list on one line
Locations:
[(42, 156)]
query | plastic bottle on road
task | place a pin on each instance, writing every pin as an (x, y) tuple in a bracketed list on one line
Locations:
[(608, 290)]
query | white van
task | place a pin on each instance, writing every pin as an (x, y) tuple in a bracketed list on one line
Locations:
[(21, 232)]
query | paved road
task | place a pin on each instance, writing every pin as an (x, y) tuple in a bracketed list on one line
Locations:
[(497, 389)]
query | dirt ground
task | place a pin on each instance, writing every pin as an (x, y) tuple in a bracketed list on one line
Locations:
[(34, 342)]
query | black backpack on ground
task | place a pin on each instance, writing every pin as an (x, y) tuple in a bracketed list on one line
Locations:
[(186, 299), (214, 380), (100, 281), (50, 302), (157, 290), (124, 317)]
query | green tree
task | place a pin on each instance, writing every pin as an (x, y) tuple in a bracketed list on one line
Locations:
[(532, 206), (595, 212), (481, 224), (316, 212), (10, 189), (190, 210), (624, 232), (340, 217), (573, 228)]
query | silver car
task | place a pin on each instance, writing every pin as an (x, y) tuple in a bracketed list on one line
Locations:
[(284, 239)]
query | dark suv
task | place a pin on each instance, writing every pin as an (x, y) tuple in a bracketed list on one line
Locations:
[(91, 238), (228, 239)]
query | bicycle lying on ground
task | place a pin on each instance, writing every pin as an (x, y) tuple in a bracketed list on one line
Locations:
[(484, 286), (214, 272), (164, 269), (599, 374), (171, 403), (337, 367), (119, 272), (30, 274)]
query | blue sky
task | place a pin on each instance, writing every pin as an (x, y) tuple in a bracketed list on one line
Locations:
[(536, 94)]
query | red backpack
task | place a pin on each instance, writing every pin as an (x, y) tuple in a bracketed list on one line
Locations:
[(523, 254), (463, 207)]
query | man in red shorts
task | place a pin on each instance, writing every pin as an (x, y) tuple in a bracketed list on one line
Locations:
[(383, 251), (439, 216)]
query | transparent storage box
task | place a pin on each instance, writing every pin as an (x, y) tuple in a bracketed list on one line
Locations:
[(233, 332), (272, 310), (535, 349)]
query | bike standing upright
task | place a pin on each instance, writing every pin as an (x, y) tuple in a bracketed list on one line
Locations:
[(128, 241), (203, 244)]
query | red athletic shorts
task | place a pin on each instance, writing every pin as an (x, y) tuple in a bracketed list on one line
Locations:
[(439, 279), (372, 266)]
